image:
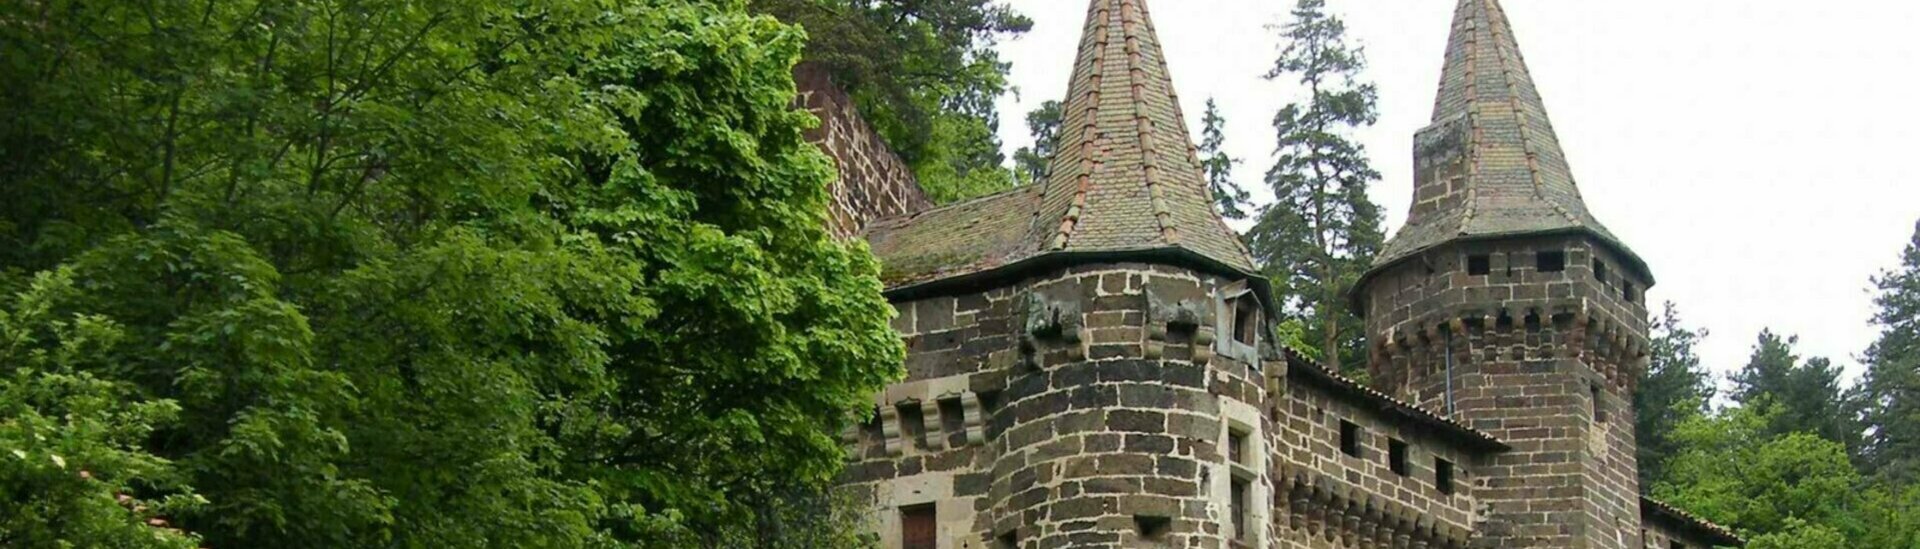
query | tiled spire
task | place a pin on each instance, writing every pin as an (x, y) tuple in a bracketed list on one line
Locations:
[(1125, 176), (1490, 165)]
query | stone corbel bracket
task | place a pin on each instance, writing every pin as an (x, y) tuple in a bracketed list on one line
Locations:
[(1052, 322), (1186, 317)]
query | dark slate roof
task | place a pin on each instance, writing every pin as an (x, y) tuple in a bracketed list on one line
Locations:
[(1652, 510), (1518, 181), (1304, 370), (1125, 178)]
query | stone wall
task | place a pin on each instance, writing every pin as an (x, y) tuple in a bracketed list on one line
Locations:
[(1543, 359), (872, 181), (1330, 499), (1104, 417)]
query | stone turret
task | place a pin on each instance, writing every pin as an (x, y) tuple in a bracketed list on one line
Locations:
[(1504, 303)]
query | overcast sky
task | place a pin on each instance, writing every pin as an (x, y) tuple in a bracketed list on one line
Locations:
[(1759, 154)]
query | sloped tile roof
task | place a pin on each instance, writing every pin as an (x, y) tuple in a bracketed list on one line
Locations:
[(1518, 181), (1126, 177), (1306, 370), (1675, 517)]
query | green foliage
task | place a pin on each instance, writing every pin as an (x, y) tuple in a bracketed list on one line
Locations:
[(451, 274), (1889, 394), (1030, 163), (1323, 231), (1737, 473), (1807, 392), (70, 441), (1673, 388), (925, 73), (1228, 198)]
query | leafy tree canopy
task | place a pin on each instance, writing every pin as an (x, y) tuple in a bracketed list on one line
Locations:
[(1674, 387), (1322, 231), (441, 273), (1808, 393), (1890, 392)]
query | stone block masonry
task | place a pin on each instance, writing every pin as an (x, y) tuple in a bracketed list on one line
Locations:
[(871, 182)]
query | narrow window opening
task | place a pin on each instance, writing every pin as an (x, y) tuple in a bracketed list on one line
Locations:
[(1599, 270), (1397, 457), (1599, 406), (1628, 292), (1349, 438), (1479, 264), (1246, 320), (1237, 447), (1238, 514), (918, 529), (1011, 540), (1152, 527), (1551, 261), (1443, 475)]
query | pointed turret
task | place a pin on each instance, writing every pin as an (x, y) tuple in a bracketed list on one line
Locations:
[(1125, 181), (1125, 176), (1490, 165)]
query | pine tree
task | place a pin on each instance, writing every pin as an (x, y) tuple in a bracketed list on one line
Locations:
[(1228, 197), (1044, 123), (1673, 388), (1807, 393), (1322, 231), (1890, 391)]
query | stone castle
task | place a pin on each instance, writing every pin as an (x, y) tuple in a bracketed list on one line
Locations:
[(1090, 362)]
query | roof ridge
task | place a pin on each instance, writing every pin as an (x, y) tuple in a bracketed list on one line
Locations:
[(1131, 13), (1084, 182), (1493, 9)]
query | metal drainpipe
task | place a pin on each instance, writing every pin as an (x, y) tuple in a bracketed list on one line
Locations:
[(1449, 354)]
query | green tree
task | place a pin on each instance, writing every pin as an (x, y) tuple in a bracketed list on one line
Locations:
[(925, 73), (453, 274), (1782, 491), (1322, 231), (1031, 162), (70, 441), (1231, 200), (1674, 388), (1807, 392), (1890, 390)]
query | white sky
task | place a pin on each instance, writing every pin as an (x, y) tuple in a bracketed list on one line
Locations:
[(1759, 154)]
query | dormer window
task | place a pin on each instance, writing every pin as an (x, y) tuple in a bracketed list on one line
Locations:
[(1246, 320), (1239, 323)]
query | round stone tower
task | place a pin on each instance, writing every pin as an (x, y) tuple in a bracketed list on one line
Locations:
[(1505, 304)]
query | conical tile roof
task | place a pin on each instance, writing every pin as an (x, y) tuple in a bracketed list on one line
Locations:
[(1125, 178), (1517, 181)]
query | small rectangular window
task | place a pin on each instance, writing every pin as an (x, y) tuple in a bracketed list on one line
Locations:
[(1479, 264), (1237, 447), (918, 528), (1246, 320), (1397, 457), (1349, 438), (1238, 514), (1599, 270), (1443, 475), (1628, 292), (1551, 261)]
